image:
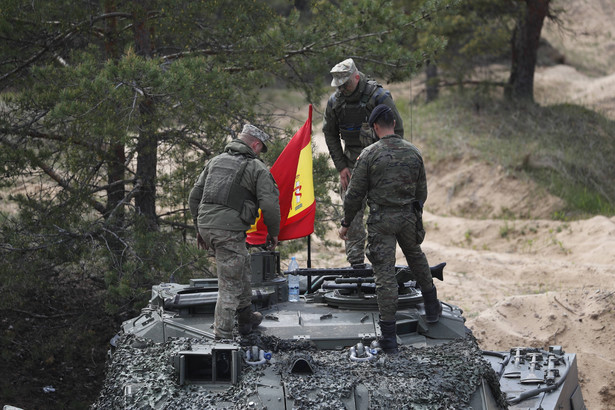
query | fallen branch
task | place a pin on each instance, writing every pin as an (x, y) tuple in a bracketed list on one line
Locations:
[(564, 306), (38, 316)]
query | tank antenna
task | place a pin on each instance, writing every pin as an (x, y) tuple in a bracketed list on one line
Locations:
[(411, 136)]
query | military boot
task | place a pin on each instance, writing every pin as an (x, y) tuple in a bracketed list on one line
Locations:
[(248, 320), (388, 341), (433, 307)]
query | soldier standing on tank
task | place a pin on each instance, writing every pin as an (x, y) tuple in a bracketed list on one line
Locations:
[(224, 203), (391, 174), (346, 116)]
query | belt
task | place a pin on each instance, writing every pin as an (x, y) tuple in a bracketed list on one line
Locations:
[(376, 207)]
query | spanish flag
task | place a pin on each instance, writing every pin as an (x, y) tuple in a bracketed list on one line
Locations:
[(292, 172)]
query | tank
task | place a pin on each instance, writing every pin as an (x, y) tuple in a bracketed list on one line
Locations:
[(322, 352)]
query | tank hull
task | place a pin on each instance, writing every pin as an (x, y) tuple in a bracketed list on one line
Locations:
[(322, 352)]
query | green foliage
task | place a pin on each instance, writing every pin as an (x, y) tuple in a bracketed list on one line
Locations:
[(149, 258), (78, 120), (200, 84), (566, 148), (506, 230), (477, 34), (48, 308)]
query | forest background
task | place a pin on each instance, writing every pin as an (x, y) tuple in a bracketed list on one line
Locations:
[(109, 109)]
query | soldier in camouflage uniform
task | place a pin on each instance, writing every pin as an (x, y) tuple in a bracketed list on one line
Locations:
[(346, 116), (224, 203), (391, 174)]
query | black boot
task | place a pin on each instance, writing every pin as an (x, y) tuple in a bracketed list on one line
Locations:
[(433, 307), (248, 320), (388, 342)]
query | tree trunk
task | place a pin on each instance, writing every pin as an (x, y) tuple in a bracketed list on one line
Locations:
[(116, 151), (147, 145), (431, 80), (526, 36), (147, 159)]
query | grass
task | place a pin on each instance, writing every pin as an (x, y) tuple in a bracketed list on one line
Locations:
[(565, 148), (506, 230)]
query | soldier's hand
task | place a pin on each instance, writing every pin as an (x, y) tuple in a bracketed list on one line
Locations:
[(345, 178), (274, 243), (200, 242), (342, 233)]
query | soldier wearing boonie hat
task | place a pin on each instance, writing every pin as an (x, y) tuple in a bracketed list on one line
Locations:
[(346, 118), (342, 72), (224, 202), (261, 135)]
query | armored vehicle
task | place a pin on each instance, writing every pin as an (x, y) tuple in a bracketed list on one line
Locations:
[(322, 352)]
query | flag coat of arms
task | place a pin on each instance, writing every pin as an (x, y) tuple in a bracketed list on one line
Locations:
[(292, 172)]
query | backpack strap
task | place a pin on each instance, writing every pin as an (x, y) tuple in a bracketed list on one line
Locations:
[(379, 94), (238, 194)]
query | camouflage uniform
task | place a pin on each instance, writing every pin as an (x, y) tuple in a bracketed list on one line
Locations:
[(346, 119), (392, 176), (224, 203)]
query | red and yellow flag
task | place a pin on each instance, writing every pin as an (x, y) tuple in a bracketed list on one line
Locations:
[(292, 172)]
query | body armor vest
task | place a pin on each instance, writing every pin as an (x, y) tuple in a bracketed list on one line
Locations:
[(222, 185), (352, 117)]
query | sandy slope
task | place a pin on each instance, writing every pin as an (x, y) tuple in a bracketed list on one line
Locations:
[(545, 283)]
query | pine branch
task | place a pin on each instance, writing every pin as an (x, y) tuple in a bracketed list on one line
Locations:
[(53, 174)]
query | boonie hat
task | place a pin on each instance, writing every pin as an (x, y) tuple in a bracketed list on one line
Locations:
[(377, 112), (256, 133), (342, 72)]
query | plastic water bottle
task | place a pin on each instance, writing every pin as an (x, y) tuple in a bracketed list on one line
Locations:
[(293, 281)]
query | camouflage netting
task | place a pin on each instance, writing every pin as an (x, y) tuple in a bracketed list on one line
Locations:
[(435, 377)]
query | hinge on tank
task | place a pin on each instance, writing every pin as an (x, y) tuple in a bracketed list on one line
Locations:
[(301, 337)]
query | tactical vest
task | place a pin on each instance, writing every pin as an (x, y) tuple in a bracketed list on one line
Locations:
[(223, 182), (353, 116)]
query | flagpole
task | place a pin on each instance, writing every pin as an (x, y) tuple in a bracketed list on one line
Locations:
[(309, 261), (309, 237)]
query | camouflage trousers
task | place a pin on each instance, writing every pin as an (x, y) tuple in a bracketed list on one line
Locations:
[(386, 228), (355, 244), (233, 268)]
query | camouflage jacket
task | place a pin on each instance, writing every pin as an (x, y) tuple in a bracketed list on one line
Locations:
[(260, 189), (346, 115), (390, 173)]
